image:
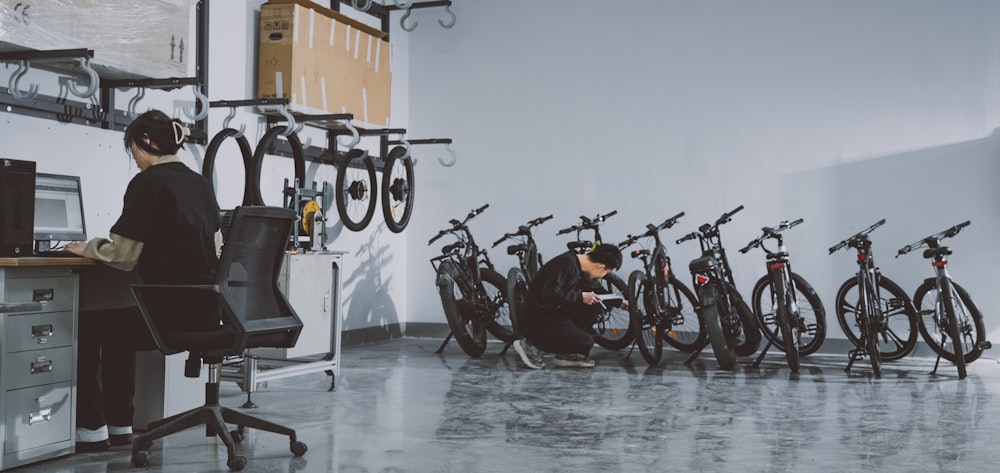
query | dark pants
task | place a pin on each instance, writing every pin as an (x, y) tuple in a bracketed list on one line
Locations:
[(563, 333), (107, 342)]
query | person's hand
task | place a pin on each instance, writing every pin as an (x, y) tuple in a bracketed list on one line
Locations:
[(625, 304), (591, 298), (76, 247)]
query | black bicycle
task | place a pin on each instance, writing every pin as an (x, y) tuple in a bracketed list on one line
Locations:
[(726, 318), (661, 307), (787, 307), (612, 324), (875, 313), (946, 310), (529, 261), (472, 291)]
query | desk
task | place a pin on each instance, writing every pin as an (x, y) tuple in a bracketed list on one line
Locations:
[(38, 358)]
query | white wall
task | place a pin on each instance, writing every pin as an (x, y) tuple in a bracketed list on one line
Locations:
[(841, 113), (374, 271)]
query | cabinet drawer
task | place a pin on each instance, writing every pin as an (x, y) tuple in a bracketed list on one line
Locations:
[(38, 416), (39, 330), (37, 367), (55, 293)]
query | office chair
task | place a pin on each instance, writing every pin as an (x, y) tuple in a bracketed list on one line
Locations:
[(243, 309)]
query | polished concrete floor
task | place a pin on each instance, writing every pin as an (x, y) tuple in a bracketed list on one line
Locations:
[(399, 407)]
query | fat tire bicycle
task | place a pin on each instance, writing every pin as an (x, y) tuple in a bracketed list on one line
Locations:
[(397, 189), (613, 324), (946, 311), (874, 312), (726, 318), (518, 277), (787, 307), (661, 307), (472, 291)]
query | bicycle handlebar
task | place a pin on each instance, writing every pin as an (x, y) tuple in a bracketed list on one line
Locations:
[(950, 232), (769, 232), (456, 225), (523, 230), (856, 236), (588, 223), (689, 236), (726, 217)]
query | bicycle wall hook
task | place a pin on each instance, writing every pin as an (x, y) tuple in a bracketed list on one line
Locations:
[(290, 127), (447, 9), (229, 118), (95, 80), (403, 5), (402, 22), (13, 85), (450, 151), (355, 137), (367, 4), (204, 106), (140, 92)]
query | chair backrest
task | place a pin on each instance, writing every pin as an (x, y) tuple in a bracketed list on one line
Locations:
[(248, 271)]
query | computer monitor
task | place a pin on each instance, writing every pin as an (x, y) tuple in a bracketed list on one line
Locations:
[(58, 209)]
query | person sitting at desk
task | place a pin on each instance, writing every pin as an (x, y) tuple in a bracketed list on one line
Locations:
[(168, 230)]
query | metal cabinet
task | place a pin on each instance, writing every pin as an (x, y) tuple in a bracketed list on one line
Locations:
[(312, 283), (37, 364)]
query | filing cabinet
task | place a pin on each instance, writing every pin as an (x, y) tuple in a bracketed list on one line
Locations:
[(38, 364)]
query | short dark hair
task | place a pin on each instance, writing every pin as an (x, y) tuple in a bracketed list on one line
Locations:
[(607, 254), (165, 134)]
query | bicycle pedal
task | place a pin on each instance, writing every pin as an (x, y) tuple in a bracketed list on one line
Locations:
[(986, 345), (811, 329), (770, 319), (926, 312), (894, 303)]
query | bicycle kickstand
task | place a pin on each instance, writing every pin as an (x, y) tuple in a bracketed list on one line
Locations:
[(444, 343), (936, 362), (634, 343), (506, 345), (696, 353), (770, 342), (854, 355)]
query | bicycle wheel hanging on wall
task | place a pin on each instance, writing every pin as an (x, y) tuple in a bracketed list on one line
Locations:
[(208, 167), (298, 156), (355, 190), (397, 189)]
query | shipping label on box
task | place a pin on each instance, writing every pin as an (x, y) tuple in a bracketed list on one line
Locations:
[(323, 62)]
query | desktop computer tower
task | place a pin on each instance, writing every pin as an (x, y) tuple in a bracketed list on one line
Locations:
[(17, 207)]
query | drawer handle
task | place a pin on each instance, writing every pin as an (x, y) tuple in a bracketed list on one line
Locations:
[(41, 366), (43, 415), (41, 331), (43, 295)]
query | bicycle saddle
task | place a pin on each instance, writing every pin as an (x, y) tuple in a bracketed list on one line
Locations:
[(452, 247), (579, 245), (515, 249), (932, 252)]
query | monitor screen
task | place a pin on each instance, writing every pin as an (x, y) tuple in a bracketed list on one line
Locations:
[(58, 208)]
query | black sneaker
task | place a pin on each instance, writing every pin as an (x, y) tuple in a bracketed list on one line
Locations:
[(531, 356), (573, 360)]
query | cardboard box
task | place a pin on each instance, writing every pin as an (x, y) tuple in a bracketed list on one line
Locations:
[(323, 62), (130, 38)]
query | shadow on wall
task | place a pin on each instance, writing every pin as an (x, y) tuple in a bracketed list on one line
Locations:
[(371, 313)]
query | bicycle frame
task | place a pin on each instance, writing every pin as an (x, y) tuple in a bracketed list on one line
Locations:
[(657, 268), (528, 258)]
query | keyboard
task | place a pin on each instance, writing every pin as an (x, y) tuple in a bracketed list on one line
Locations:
[(55, 254)]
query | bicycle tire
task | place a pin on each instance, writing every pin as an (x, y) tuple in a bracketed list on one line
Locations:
[(644, 317), (711, 319), (784, 319), (397, 189), (298, 159), (872, 345), (470, 335), (685, 333), (498, 320), (748, 334), (956, 337), (212, 150), (517, 296), (899, 335), (811, 314), (614, 326), (356, 199), (970, 324)]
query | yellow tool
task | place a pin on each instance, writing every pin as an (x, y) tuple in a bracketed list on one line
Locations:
[(308, 212)]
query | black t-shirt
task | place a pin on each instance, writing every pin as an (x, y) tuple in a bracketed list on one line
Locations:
[(173, 211)]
